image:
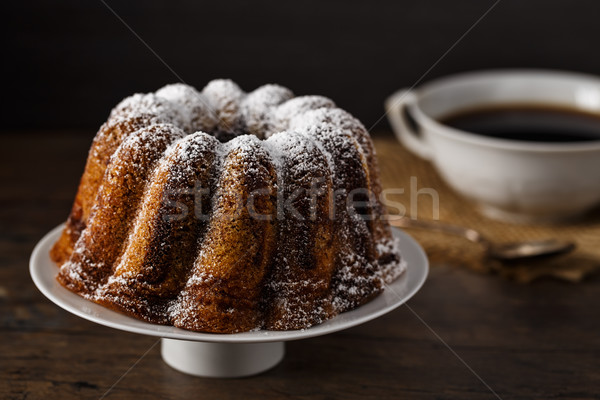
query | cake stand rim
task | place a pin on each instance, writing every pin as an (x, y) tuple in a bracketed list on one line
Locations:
[(408, 284)]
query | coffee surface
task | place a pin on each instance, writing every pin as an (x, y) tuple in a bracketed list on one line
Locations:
[(532, 123)]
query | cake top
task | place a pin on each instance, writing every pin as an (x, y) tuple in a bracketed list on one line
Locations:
[(221, 109)]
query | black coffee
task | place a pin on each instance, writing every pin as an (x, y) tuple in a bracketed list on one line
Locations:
[(531, 123)]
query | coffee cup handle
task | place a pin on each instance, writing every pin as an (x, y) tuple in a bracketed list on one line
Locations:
[(406, 128)]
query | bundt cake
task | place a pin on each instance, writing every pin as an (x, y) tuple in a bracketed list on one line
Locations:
[(224, 211)]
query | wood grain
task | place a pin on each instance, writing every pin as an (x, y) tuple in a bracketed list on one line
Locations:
[(538, 341)]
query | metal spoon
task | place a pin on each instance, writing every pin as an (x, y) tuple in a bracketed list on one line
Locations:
[(505, 251)]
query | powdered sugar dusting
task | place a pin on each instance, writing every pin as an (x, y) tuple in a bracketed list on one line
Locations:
[(151, 104), (307, 139), (194, 105), (225, 97), (297, 107), (257, 108), (390, 247)]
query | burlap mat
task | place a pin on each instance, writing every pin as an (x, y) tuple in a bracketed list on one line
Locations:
[(398, 166)]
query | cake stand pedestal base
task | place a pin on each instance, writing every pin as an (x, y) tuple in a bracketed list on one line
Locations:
[(221, 360)]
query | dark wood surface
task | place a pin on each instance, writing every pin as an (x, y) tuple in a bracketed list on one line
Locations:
[(539, 341)]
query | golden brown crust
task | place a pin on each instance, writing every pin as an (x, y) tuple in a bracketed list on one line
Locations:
[(115, 207), (107, 140), (298, 292), (340, 120), (161, 250), (224, 290), (228, 237), (355, 280)]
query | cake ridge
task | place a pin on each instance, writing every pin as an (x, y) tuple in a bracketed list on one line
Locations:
[(300, 296)]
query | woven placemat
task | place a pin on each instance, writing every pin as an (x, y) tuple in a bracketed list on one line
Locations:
[(414, 184)]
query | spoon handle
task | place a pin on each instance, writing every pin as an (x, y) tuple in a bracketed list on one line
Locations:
[(467, 233)]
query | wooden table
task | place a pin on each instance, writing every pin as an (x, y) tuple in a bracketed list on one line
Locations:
[(463, 336)]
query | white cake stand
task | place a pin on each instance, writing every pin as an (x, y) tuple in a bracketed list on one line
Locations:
[(226, 355)]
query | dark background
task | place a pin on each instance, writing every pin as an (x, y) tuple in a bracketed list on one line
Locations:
[(66, 63)]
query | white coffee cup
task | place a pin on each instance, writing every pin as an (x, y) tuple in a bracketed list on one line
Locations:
[(511, 180)]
